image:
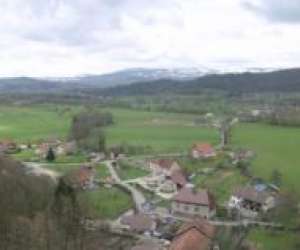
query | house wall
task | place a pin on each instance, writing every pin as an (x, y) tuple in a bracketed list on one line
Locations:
[(197, 155), (269, 204), (192, 209)]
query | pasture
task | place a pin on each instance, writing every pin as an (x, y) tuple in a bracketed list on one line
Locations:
[(275, 148), (163, 132)]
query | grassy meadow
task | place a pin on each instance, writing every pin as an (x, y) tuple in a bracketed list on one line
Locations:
[(25, 124), (163, 132), (275, 148), (106, 203), (268, 240)]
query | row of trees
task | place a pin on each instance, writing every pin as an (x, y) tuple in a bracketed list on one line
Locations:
[(87, 130)]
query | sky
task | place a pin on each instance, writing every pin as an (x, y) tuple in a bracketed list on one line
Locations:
[(74, 37)]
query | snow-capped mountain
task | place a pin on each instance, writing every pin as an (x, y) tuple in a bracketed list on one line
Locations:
[(134, 75)]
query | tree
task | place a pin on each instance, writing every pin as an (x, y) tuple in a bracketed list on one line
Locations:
[(225, 126), (83, 124), (50, 155), (87, 130), (102, 141)]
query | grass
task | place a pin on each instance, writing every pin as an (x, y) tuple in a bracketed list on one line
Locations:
[(106, 203), (102, 172), (30, 156), (276, 148), (221, 183), (164, 132), (25, 124), (268, 240), (127, 171)]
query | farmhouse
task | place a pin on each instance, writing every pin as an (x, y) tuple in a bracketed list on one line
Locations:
[(178, 177), (250, 202), (197, 235), (163, 167), (202, 151), (139, 223), (8, 147), (167, 176), (189, 202), (82, 178)]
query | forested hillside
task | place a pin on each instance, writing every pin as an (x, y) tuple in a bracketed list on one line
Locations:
[(37, 214), (277, 81), (123, 85)]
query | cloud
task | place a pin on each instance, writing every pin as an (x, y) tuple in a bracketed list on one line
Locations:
[(71, 37), (276, 10)]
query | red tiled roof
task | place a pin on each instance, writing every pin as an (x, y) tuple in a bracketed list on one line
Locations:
[(190, 196), (178, 177), (203, 148), (196, 235)]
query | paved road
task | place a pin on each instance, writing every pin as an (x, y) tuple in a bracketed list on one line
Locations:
[(137, 196), (244, 222)]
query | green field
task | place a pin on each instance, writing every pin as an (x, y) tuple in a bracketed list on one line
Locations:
[(30, 156), (275, 147), (161, 131), (268, 240), (127, 172), (106, 203), (33, 123)]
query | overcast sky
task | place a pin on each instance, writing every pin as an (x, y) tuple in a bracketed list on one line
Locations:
[(71, 37)]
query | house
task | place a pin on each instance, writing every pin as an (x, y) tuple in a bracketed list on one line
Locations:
[(163, 167), (250, 201), (189, 202), (67, 148), (42, 150), (203, 151), (179, 178), (139, 223), (173, 183), (82, 178), (8, 147), (196, 235)]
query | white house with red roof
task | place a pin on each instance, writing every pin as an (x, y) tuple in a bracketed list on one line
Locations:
[(189, 202)]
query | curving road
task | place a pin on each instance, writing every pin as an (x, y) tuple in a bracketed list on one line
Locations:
[(138, 197)]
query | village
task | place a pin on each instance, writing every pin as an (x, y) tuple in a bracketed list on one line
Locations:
[(171, 210)]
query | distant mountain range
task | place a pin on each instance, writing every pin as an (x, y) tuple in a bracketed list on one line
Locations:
[(125, 77), (156, 81)]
